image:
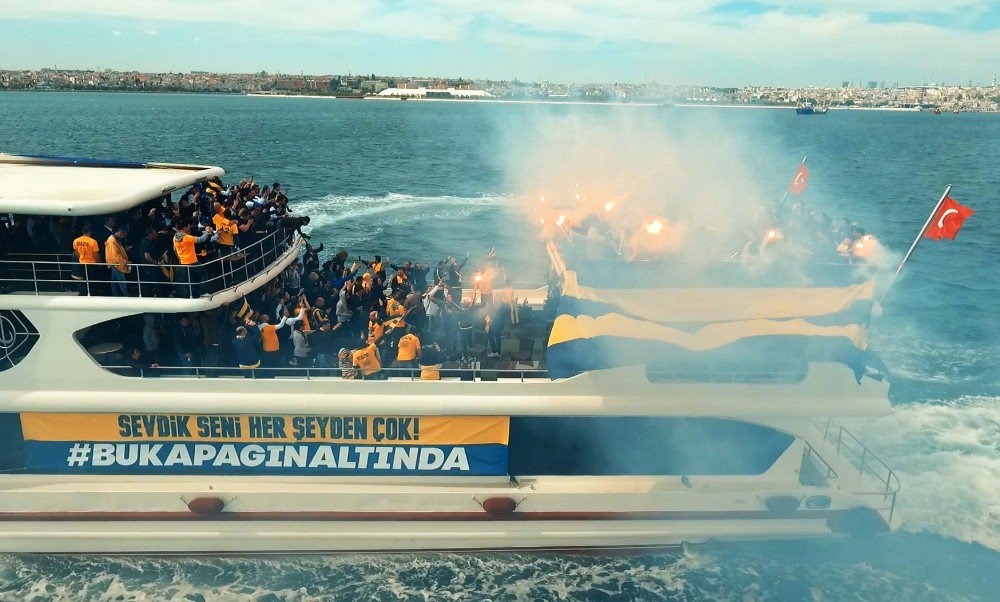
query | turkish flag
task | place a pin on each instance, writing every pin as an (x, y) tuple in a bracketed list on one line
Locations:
[(800, 180), (948, 220)]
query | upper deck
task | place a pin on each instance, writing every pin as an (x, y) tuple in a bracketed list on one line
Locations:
[(57, 274), (58, 196), (81, 187)]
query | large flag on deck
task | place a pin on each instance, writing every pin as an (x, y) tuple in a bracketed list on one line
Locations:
[(948, 221), (800, 180), (697, 323)]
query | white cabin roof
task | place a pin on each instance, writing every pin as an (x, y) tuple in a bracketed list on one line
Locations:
[(60, 186)]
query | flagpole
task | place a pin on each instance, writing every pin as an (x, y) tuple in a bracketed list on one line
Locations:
[(916, 242), (780, 203), (785, 196)]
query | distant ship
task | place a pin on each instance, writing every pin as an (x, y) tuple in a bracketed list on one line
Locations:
[(810, 109)]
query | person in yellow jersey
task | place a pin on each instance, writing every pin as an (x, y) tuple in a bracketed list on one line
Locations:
[(376, 329), (430, 362), (87, 252), (369, 362), (191, 273), (271, 357), (302, 311), (408, 350), (117, 258), (227, 227), (376, 265), (394, 308)]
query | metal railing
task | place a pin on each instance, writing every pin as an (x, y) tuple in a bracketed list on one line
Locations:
[(33, 276), (865, 461), (811, 453), (314, 373), (478, 373)]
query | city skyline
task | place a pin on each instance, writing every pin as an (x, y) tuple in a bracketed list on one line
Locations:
[(873, 95), (703, 42), (993, 81)]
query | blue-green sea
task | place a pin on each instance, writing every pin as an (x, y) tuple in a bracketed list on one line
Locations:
[(423, 180)]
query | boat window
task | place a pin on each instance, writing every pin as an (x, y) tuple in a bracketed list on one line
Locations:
[(642, 446), (17, 336)]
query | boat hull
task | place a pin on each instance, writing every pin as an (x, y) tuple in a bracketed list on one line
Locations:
[(55, 514)]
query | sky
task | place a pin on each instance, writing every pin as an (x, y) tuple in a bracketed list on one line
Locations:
[(703, 42)]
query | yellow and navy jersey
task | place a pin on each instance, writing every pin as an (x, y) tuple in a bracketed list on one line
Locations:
[(87, 249)]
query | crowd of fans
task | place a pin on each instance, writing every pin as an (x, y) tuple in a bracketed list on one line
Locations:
[(783, 231), (356, 316), (364, 315), (170, 247), (793, 230)]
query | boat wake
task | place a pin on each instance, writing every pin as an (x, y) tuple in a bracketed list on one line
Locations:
[(947, 455), (333, 209), (395, 224), (750, 572)]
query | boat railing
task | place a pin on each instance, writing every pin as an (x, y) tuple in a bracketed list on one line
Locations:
[(866, 462), (811, 453), (61, 274), (313, 373)]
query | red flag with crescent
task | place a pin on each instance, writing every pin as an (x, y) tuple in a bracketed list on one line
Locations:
[(948, 220), (800, 180)]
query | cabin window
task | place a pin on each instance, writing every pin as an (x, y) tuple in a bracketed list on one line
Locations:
[(642, 446)]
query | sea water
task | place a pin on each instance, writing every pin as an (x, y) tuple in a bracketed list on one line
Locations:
[(422, 181)]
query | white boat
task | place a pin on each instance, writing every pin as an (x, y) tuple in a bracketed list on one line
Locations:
[(105, 458)]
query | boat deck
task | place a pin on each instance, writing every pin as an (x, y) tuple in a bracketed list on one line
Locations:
[(60, 274)]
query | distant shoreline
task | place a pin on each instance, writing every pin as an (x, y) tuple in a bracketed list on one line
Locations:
[(511, 101), (786, 107), (645, 103), (289, 95)]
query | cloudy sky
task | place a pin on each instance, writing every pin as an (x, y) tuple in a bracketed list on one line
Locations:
[(712, 42)]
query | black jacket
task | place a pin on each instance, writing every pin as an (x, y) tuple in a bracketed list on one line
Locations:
[(248, 349)]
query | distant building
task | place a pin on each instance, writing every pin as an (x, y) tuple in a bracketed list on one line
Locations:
[(873, 85), (408, 92), (373, 86), (290, 83), (845, 84)]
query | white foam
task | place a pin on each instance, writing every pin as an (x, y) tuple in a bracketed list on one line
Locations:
[(947, 455), (332, 209)]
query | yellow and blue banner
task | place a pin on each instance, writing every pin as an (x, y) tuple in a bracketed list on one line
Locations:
[(690, 324), (317, 445)]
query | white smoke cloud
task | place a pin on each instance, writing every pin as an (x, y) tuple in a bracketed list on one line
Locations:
[(687, 186)]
